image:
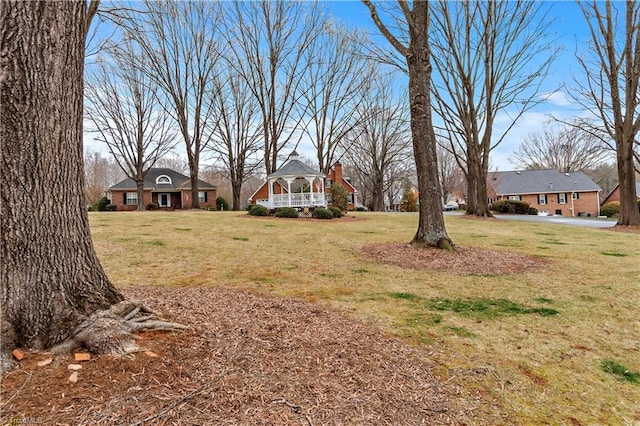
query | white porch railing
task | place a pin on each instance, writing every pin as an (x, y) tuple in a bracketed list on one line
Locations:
[(297, 200)]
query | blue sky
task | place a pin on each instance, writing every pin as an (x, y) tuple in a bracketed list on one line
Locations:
[(571, 32)]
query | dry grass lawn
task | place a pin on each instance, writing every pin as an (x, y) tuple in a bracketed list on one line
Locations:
[(521, 346)]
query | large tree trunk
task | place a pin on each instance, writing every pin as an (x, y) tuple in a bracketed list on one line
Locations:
[(193, 170), (629, 215), (378, 193), (51, 279), (140, 192), (431, 229), (236, 190)]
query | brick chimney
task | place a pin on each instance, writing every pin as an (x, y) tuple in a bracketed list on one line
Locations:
[(337, 175)]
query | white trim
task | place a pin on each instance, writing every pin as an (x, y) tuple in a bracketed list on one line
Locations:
[(168, 199), (543, 199), (564, 198), (164, 182), (132, 198)]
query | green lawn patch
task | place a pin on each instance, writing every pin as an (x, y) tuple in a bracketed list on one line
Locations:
[(405, 296), (614, 253), (619, 370), (486, 308)]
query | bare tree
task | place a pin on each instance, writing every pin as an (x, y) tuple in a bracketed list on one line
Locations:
[(611, 89), (123, 105), (236, 140), (359, 180), (53, 289), (565, 149), (100, 172), (268, 43), (484, 54), (451, 175), (179, 40), (395, 178), (605, 175), (415, 47), (174, 162), (334, 84), (380, 141)]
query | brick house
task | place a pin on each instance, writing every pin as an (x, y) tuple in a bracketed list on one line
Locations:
[(297, 185), (165, 187), (615, 194), (562, 194)]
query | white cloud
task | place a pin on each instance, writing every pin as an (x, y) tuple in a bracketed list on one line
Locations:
[(557, 98)]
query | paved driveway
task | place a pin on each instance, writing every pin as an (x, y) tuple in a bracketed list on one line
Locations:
[(560, 220)]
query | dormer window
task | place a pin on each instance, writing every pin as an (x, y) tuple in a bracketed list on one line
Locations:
[(163, 179)]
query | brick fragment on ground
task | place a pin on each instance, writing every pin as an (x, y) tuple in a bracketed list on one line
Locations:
[(82, 356)]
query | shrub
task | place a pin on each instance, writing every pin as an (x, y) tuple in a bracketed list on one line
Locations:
[(335, 211), (111, 207), (610, 209), (152, 206), (258, 210), (102, 204), (322, 213), (533, 211), (221, 204), (510, 206), (286, 212), (339, 197)]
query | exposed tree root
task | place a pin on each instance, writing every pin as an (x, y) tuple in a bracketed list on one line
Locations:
[(112, 331), (442, 243)]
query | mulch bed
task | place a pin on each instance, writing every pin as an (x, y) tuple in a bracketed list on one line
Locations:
[(464, 261), (247, 359)]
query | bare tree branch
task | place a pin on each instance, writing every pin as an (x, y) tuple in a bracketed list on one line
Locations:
[(483, 53), (611, 89)]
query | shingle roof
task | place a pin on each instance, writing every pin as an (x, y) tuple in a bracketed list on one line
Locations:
[(178, 181), (295, 168), (540, 182)]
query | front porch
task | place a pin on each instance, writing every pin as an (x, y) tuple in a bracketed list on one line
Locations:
[(295, 200)]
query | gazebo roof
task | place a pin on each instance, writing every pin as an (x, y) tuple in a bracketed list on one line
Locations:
[(295, 168)]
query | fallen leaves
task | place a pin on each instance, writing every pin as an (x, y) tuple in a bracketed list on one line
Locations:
[(247, 359), (466, 261)]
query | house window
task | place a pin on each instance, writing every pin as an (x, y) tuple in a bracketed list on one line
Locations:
[(562, 198), (163, 179), (575, 195), (515, 197), (328, 183), (350, 198), (131, 198), (202, 197), (542, 199)]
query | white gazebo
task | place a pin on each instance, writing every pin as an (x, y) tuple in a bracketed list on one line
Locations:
[(296, 185)]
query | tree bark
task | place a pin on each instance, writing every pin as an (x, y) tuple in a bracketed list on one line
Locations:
[(51, 278), (431, 229)]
